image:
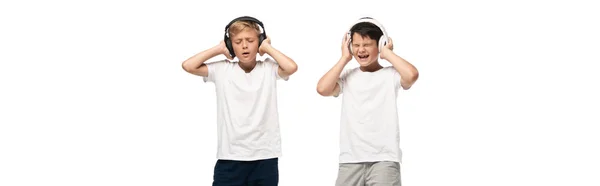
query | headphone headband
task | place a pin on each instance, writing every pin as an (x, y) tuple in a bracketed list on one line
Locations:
[(369, 20), (245, 18)]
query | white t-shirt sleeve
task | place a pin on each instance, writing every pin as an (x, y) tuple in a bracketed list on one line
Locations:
[(342, 80), (396, 76), (275, 69), (214, 69)]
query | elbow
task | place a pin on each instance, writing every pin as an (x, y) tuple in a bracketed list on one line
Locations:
[(414, 76), (292, 69), (411, 75), (411, 80), (323, 91), (191, 68), (185, 67)]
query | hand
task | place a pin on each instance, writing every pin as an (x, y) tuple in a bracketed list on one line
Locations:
[(222, 48), (387, 49), (264, 46), (346, 55)]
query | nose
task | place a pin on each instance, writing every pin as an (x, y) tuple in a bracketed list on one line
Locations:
[(361, 49), (244, 44)]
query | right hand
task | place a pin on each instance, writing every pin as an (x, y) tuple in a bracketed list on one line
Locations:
[(346, 55), (222, 48)]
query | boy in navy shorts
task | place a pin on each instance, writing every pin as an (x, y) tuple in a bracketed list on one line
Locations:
[(249, 141)]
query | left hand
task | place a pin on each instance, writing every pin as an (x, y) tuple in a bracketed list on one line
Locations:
[(389, 47), (264, 46)]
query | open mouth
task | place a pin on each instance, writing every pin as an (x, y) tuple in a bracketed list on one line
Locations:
[(363, 56), (245, 53)]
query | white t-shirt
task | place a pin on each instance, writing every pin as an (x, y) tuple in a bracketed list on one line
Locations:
[(247, 114), (369, 129)]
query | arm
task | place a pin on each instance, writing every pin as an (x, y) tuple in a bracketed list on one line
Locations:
[(195, 64), (287, 66), (408, 73), (328, 85)]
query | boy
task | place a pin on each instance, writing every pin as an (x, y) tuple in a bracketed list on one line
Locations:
[(369, 137), (247, 116)]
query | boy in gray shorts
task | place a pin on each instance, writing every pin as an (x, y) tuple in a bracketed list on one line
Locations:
[(369, 137)]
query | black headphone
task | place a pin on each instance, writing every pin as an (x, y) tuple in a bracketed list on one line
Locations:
[(262, 36)]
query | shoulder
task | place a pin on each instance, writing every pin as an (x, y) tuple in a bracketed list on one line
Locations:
[(219, 63), (390, 69), (268, 62), (350, 71)]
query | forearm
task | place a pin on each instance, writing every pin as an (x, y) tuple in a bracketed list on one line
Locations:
[(327, 83), (197, 60), (285, 63), (407, 71)]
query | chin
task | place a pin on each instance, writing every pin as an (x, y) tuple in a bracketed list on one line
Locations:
[(366, 63), (248, 59)]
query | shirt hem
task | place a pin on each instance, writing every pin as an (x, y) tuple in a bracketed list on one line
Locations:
[(248, 158), (370, 160)]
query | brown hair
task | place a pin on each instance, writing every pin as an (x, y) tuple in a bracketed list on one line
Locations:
[(239, 26)]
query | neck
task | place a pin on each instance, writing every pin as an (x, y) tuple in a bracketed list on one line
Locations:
[(247, 66), (375, 66)]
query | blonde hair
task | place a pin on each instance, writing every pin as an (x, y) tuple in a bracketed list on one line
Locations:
[(239, 26)]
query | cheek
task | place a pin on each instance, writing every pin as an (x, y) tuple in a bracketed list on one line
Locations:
[(236, 49), (373, 50), (237, 46)]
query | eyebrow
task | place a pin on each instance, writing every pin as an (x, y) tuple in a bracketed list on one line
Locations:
[(247, 38), (370, 43)]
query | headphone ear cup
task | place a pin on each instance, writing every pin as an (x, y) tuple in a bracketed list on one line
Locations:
[(350, 48), (261, 38), (382, 42), (229, 47), (349, 42)]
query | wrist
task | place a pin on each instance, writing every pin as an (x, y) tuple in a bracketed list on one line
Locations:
[(216, 50), (344, 60), (268, 48), (385, 53)]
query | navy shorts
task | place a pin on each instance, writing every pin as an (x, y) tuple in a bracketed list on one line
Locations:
[(246, 173)]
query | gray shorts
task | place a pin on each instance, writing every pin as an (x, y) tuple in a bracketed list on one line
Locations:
[(383, 173)]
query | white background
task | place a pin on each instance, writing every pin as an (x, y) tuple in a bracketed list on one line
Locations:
[(93, 93)]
